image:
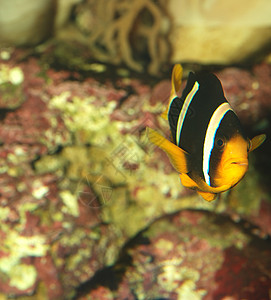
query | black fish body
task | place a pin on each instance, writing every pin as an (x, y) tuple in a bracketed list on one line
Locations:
[(209, 148)]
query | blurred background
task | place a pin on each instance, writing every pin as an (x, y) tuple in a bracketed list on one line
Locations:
[(89, 209)]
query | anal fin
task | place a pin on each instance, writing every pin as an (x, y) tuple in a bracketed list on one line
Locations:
[(207, 196), (187, 181)]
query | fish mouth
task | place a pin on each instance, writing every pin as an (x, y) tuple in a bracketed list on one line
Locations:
[(240, 163), (236, 161)]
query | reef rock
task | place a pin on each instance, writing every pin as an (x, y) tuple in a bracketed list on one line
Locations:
[(218, 32), (190, 255), (26, 22), (79, 180), (144, 35)]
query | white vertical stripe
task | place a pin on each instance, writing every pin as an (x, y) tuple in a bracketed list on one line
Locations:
[(182, 115), (213, 125)]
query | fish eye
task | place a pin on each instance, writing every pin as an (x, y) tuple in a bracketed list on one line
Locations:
[(220, 143)]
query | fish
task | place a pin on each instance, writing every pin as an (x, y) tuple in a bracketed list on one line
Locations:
[(208, 146)]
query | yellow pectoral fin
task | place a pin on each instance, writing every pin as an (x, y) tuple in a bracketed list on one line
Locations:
[(207, 196), (177, 156), (164, 114), (257, 141), (176, 81)]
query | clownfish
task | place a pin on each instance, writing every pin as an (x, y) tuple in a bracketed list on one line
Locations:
[(209, 148)]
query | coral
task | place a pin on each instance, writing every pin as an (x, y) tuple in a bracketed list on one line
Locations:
[(120, 30)]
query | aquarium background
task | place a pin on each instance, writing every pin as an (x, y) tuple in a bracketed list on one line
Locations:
[(89, 209)]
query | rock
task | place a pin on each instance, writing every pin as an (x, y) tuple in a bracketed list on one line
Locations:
[(79, 179), (32, 22), (144, 34), (189, 255), (35, 202), (215, 32), (215, 44), (28, 24), (209, 32), (248, 92)]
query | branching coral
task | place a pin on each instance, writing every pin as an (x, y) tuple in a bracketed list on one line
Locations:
[(121, 30)]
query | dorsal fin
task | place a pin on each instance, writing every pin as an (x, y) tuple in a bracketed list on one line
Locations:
[(176, 81)]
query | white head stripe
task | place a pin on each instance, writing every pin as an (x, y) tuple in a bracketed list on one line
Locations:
[(182, 115), (213, 125)]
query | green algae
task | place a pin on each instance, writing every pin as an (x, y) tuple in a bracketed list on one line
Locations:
[(5, 54), (164, 245), (177, 266), (11, 80), (75, 260), (39, 190), (82, 118), (18, 276), (79, 161), (68, 55), (171, 276), (19, 156), (161, 226), (15, 171), (14, 164), (188, 290), (137, 197), (103, 166), (71, 203), (73, 240), (50, 164), (134, 197), (16, 247), (14, 75), (53, 137), (246, 198), (21, 246), (4, 212), (213, 234)]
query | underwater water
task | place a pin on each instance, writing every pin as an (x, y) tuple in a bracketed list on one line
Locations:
[(89, 208)]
